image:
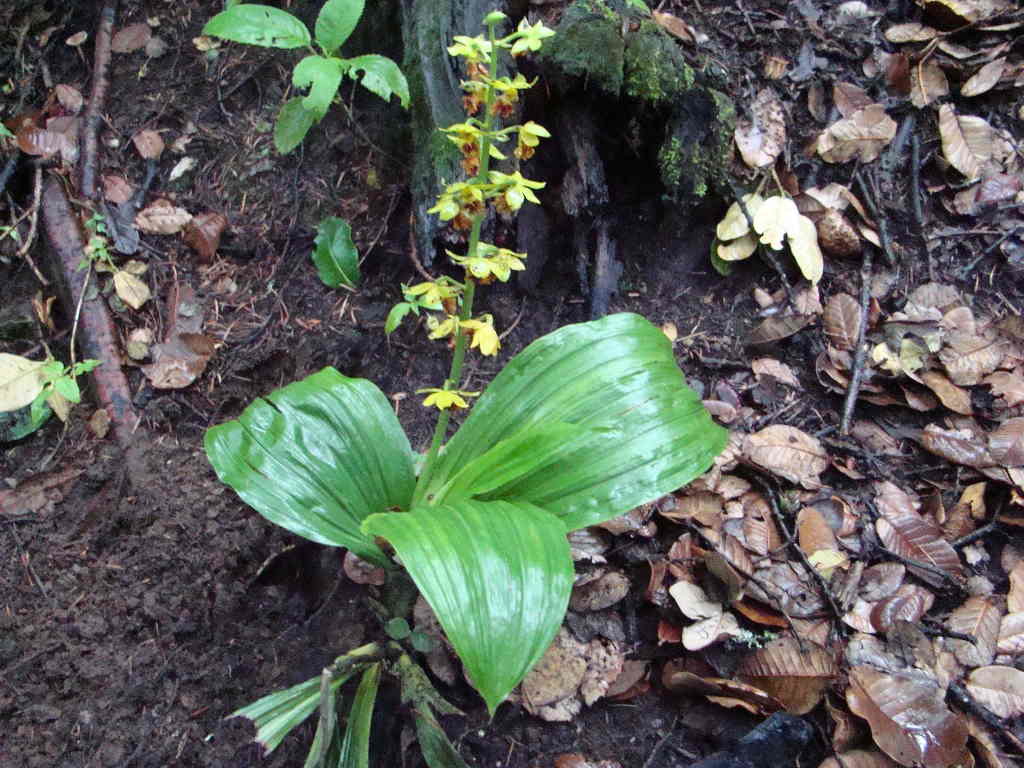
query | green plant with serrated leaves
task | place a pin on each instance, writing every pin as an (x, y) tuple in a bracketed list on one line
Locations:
[(583, 425), (322, 71)]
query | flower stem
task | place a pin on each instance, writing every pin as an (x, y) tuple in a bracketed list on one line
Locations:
[(466, 311)]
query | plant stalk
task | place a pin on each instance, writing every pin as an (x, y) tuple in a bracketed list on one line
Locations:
[(466, 310)]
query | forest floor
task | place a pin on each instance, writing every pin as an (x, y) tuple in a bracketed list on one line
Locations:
[(141, 601)]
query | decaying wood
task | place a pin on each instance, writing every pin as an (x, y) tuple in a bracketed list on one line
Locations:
[(96, 332), (97, 97)]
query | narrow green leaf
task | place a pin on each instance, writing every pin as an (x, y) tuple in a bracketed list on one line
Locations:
[(434, 744), (645, 433), (355, 749), (418, 690), (322, 76), (396, 315), (317, 457), (498, 576), (335, 23), (276, 714), (380, 76), (293, 123), (258, 25), (335, 255)]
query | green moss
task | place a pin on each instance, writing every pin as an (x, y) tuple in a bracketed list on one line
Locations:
[(655, 70), (694, 157), (588, 46)]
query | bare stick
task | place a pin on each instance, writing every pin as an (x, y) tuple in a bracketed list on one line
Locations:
[(37, 193), (98, 95)]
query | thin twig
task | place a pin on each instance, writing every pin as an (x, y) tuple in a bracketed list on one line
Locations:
[(915, 199), (515, 322), (413, 256), (857, 370), (773, 504), (23, 252), (649, 762)]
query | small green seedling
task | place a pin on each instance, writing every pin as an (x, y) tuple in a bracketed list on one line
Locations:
[(42, 387), (322, 71), (335, 255), (583, 425)]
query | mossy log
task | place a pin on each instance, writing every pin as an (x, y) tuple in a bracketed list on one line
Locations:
[(616, 91)]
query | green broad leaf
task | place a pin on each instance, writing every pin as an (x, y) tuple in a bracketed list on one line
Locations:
[(498, 576), (646, 432), (5, 132), (258, 25), (335, 255), (434, 744), (720, 265), (380, 76), (293, 123), (68, 387), (355, 748), (322, 76), (278, 713), (397, 315), (397, 629), (318, 457), (335, 23)]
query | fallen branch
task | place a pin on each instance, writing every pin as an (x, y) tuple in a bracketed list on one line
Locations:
[(98, 95), (96, 327)]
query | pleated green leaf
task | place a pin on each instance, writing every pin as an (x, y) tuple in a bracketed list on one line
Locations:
[(498, 576), (640, 431), (318, 457)]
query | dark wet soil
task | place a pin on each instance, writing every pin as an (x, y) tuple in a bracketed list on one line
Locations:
[(134, 610)]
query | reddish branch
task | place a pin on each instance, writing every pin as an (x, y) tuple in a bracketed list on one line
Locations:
[(98, 337), (97, 97)]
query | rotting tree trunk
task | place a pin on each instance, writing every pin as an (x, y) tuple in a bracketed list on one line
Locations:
[(616, 83)]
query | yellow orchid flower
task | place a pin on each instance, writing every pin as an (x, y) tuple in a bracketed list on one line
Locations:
[(485, 338), (443, 399)]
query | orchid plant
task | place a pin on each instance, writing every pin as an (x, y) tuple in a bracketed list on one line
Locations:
[(581, 426)]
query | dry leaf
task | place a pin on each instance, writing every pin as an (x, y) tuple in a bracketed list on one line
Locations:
[(909, 719), (130, 289), (903, 530), (69, 97), (130, 38), (795, 674), (1009, 386), (1006, 444), (739, 249), (841, 320), (21, 381), (775, 218), (203, 235), (557, 675), (767, 366), (970, 11), (848, 98), (863, 136), (678, 28), (1001, 689), (813, 533), (709, 631), (969, 358), (1011, 634), (787, 452), (735, 224), (603, 592), (858, 758), (116, 189), (927, 83), (953, 397), (762, 138), (837, 235), (913, 32), (985, 78), (960, 446), (149, 144), (803, 244), (967, 142), (694, 601), (776, 328), (1015, 595), (909, 603), (162, 218), (980, 618)]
